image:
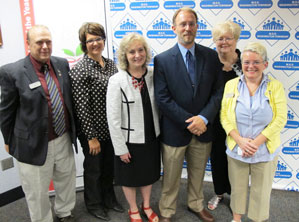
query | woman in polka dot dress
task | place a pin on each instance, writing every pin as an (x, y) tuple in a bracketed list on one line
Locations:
[(89, 79)]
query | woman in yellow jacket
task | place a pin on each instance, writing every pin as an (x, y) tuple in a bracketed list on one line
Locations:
[(253, 113)]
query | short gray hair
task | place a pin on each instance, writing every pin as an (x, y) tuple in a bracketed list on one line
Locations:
[(257, 48)]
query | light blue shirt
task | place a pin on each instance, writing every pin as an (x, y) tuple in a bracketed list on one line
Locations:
[(253, 114), (184, 51)]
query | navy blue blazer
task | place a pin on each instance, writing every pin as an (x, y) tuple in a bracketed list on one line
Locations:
[(24, 110), (179, 100)]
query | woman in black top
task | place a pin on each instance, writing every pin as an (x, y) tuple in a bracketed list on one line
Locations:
[(134, 125), (89, 79), (225, 37)]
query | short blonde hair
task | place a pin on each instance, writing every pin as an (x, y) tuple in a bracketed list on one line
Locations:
[(257, 48), (226, 27), (125, 43)]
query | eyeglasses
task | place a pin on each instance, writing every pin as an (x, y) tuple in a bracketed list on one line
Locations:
[(221, 39), (91, 41), (254, 63), (190, 24)]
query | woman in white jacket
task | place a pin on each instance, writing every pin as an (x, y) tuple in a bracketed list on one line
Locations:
[(134, 125)]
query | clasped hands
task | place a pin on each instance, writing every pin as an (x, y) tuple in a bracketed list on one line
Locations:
[(197, 126), (247, 146)]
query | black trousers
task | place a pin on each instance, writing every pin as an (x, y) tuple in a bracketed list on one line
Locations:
[(219, 160), (98, 175)]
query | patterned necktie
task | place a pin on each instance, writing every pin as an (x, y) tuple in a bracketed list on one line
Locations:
[(56, 103), (191, 66)]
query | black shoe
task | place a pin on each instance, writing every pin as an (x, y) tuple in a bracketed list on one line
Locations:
[(69, 218), (116, 207), (100, 214)]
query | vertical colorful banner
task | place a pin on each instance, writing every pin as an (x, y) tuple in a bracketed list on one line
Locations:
[(27, 16)]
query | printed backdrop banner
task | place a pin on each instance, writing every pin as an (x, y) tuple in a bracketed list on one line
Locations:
[(273, 23)]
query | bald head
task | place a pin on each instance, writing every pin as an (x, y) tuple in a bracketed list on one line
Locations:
[(40, 43)]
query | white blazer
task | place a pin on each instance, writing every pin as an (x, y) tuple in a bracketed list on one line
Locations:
[(125, 111)]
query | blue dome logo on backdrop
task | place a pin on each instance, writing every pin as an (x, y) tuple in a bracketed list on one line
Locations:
[(283, 170), (287, 60), (126, 26), (160, 29), (273, 28), (291, 147), (245, 28), (294, 91), (204, 28), (291, 122)]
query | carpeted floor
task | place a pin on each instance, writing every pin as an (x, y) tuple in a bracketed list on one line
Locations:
[(284, 207)]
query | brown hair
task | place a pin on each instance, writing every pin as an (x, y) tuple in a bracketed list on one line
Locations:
[(92, 28), (184, 9)]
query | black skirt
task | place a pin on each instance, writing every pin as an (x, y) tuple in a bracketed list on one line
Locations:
[(144, 168)]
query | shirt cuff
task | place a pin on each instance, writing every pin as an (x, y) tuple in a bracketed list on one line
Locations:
[(204, 119)]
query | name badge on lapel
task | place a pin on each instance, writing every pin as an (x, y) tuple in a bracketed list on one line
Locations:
[(229, 95), (35, 85)]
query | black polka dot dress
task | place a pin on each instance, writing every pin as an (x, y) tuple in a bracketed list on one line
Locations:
[(89, 87)]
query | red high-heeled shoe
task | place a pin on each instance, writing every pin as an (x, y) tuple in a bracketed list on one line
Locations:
[(153, 217), (133, 219)]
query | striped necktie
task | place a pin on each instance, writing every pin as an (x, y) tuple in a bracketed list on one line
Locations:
[(56, 103)]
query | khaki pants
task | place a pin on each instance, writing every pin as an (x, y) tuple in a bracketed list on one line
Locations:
[(35, 180), (262, 175), (197, 154)]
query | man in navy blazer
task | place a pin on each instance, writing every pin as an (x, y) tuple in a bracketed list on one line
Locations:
[(188, 101), (27, 125)]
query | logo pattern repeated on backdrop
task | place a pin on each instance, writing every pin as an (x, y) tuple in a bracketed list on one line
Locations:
[(245, 28), (160, 29), (273, 23), (294, 92)]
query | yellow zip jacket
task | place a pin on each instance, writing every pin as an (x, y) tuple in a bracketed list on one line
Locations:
[(276, 95)]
